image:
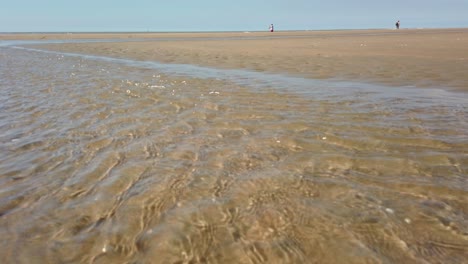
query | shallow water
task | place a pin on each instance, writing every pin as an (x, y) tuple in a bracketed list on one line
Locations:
[(117, 161)]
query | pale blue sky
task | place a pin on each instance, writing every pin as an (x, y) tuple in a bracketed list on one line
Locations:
[(234, 15)]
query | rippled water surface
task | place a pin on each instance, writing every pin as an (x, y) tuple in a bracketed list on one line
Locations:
[(118, 161)]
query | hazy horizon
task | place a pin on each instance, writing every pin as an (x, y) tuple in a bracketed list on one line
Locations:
[(215, 31), (242, 15)]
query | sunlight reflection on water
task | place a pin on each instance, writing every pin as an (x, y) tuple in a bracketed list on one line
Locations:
[(111, 160)]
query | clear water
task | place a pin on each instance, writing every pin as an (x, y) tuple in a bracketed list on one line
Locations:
[(108, 160)]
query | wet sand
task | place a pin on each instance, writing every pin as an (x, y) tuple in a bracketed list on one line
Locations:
[(406, 57), (121, 161)]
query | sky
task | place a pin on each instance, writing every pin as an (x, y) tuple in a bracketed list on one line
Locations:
[(233, 15)]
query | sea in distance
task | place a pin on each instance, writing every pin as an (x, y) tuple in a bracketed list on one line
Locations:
[(111, 160)]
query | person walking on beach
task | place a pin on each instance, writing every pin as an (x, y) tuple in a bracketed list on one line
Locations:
[(397, 24), (272, 28)]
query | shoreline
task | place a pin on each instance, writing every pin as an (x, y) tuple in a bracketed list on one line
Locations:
[(188, 34), (436, 58)]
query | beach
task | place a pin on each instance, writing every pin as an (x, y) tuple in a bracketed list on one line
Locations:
[(236, 147), (406, 57)]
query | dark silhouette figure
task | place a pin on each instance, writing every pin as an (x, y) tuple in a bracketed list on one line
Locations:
[(397, 24)]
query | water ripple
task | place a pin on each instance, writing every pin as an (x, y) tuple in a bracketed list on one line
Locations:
[(112, 160)]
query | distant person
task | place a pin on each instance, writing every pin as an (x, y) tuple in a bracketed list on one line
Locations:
[(272, 28), (397, 24)]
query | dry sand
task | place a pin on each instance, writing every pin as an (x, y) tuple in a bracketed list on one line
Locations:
[(409, 57)]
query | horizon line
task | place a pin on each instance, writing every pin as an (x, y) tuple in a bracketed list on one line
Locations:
[(214, 31)]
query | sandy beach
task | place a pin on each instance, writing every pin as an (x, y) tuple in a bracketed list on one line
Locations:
[(259, 156), (406, 57)]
